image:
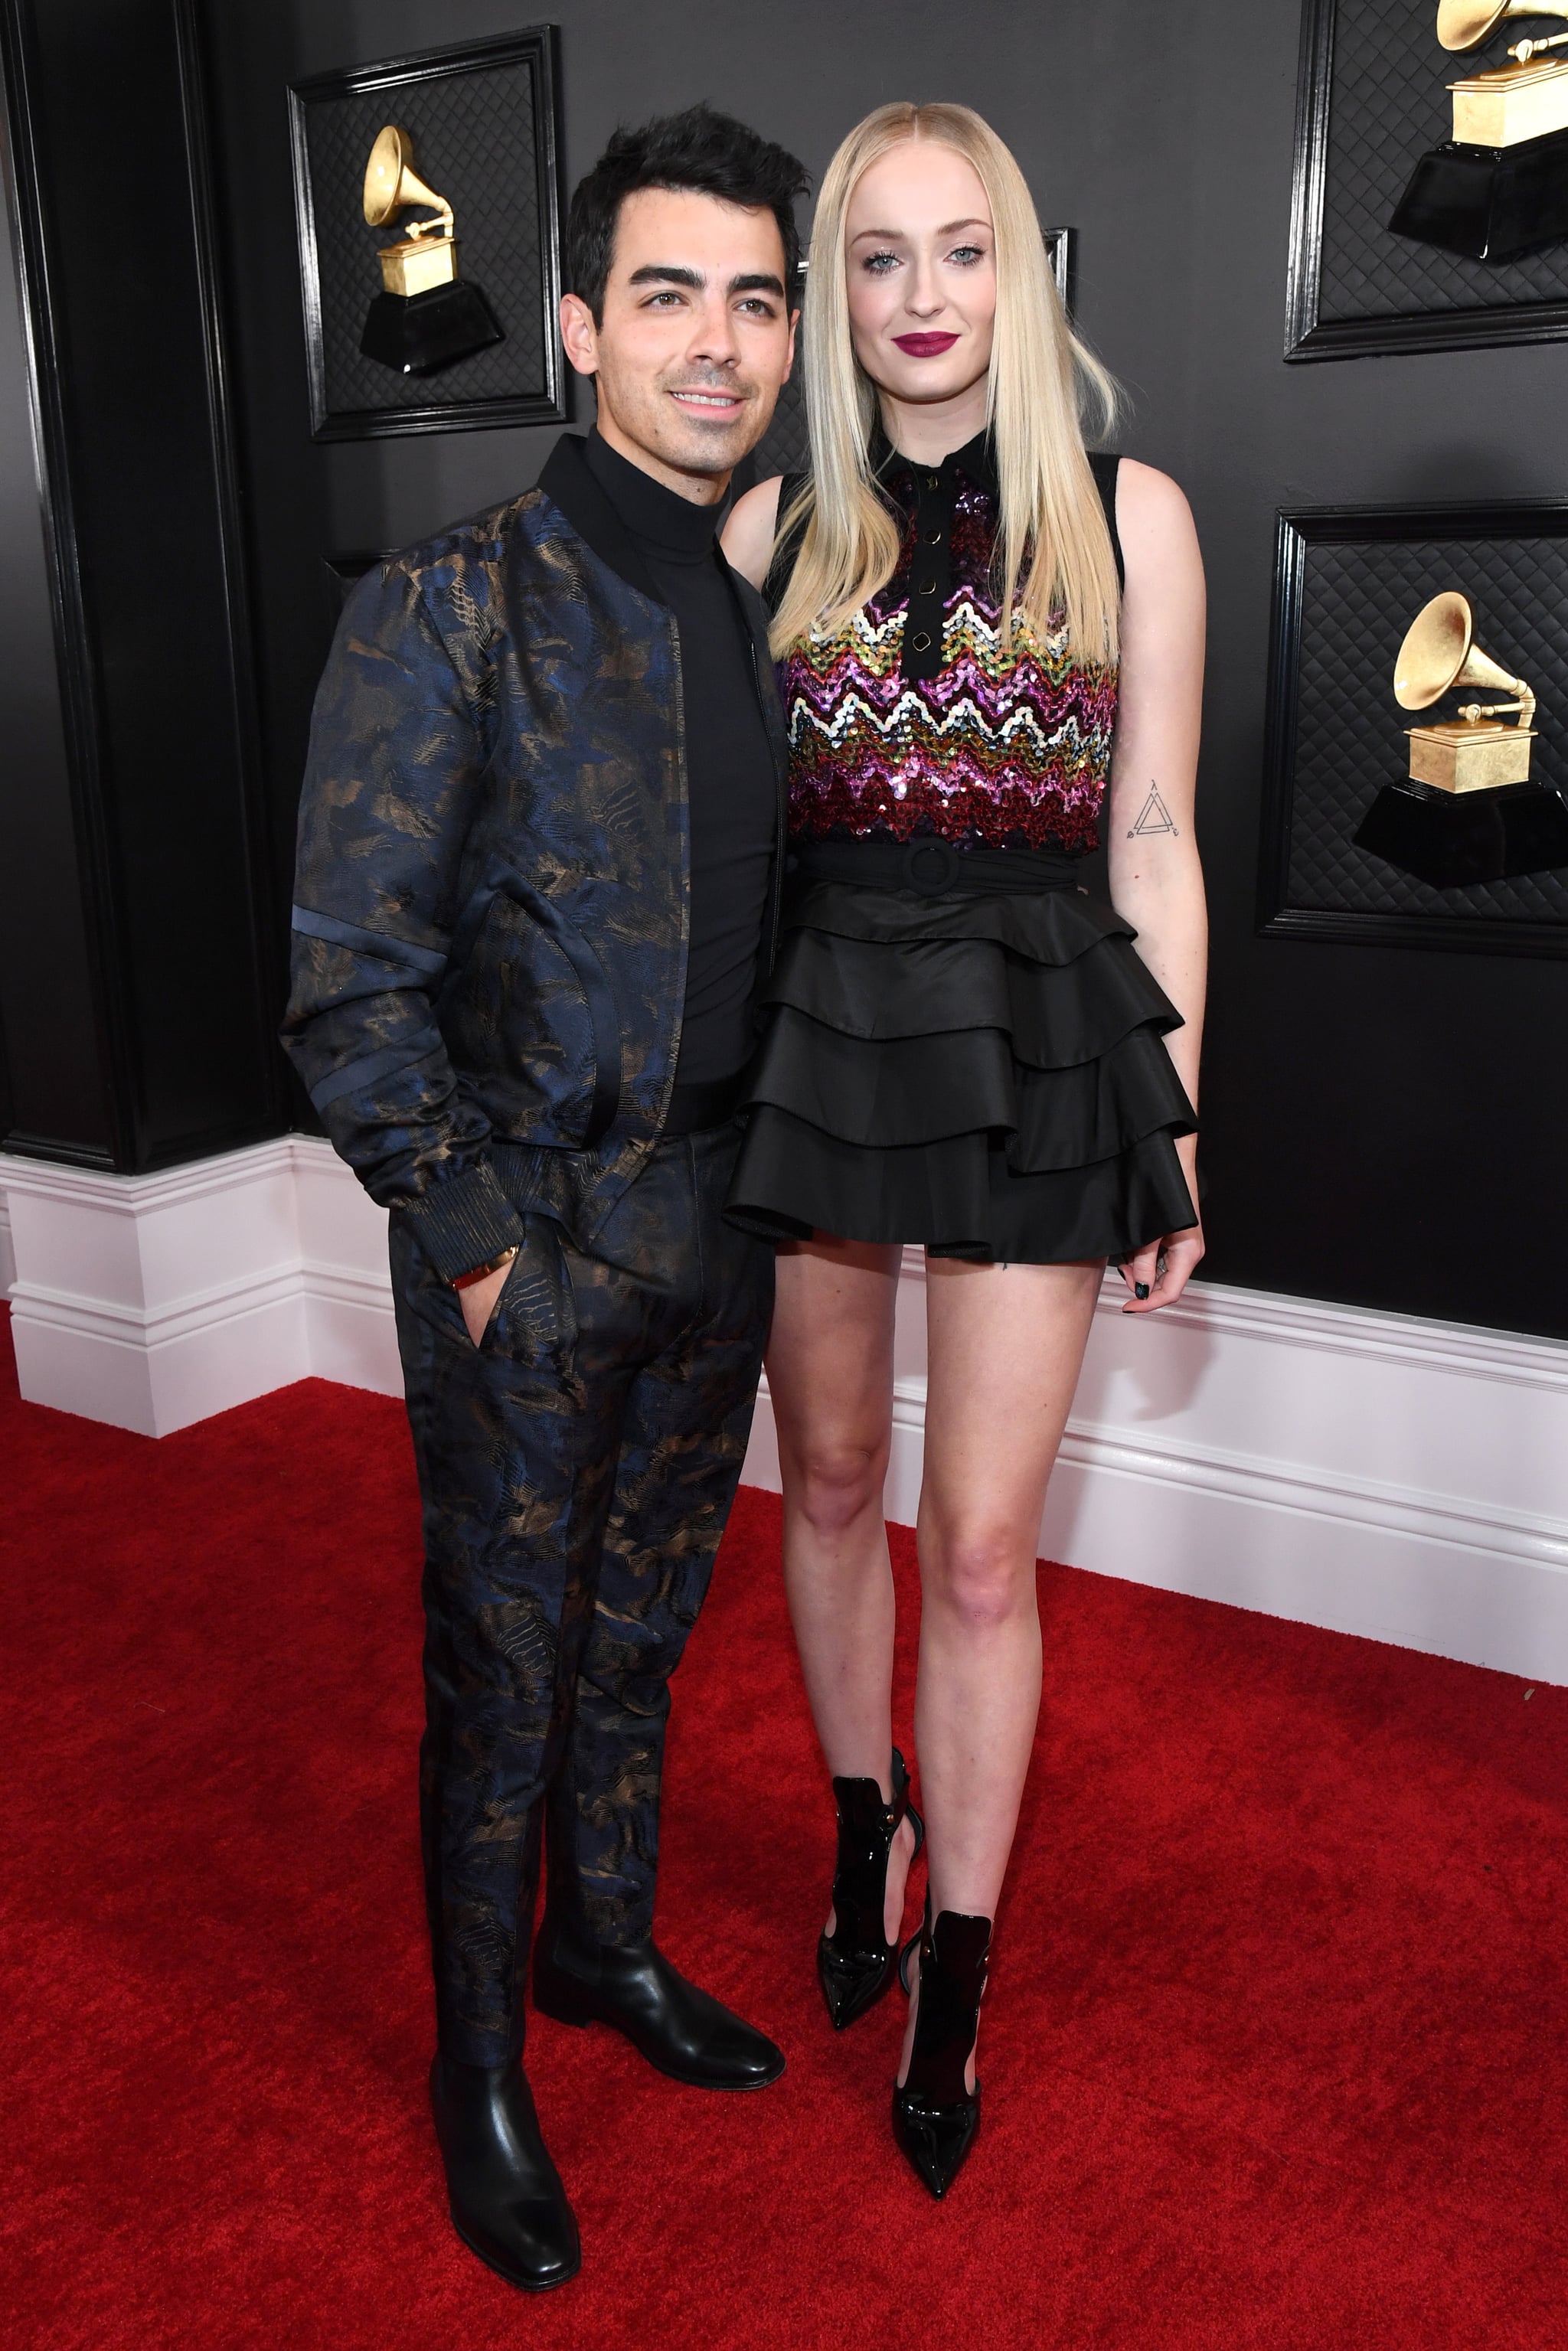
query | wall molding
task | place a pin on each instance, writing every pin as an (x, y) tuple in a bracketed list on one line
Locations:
[(1377, 1474), (1358, 1501), (1370, 1334), (151, 1301)]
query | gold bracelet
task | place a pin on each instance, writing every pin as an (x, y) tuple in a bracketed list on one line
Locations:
[(479, 1272)]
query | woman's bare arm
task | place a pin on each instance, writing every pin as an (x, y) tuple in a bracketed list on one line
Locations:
[(1156, 881), (747, 538)]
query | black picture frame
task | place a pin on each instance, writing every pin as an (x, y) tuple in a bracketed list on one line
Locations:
[(1062, 252), (523, 380), (1432, 313), (341, 574), (1340, 658)]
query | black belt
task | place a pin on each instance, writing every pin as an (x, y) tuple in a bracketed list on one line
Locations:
[(694, 1108), (934, 869)]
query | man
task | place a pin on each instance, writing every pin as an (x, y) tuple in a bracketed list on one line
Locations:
[(539, 854)]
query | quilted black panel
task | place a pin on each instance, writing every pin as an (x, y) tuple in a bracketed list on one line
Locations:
[(1389, 103), (784, 448), (1358, 598), (474, 142)]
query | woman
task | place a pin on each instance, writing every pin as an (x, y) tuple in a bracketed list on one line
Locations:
[(962, 1049)]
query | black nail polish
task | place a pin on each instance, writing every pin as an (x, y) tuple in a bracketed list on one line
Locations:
[(1140, 1288)]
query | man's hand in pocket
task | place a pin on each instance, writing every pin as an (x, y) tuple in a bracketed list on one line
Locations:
[(478, 1299)]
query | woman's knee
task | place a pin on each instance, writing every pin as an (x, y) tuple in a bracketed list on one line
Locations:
[(980, 1576), (834, 1480)]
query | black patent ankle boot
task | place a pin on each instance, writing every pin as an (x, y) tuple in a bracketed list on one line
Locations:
[(856, 1963), (508, 2203), (935, 2118)]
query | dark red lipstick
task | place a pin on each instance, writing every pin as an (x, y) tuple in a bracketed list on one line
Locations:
[(926, 347)]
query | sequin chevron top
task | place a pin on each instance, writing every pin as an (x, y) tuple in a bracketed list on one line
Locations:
[(918, 717)]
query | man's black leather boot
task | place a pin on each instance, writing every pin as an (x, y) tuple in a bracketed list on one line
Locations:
[(683, 2031), (508, 2203)]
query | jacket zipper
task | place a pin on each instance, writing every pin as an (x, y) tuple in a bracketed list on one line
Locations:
[(668, 1095)]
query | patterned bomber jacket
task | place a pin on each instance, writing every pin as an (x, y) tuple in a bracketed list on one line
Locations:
[(493, 875)]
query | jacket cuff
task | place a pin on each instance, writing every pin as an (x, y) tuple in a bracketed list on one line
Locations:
[(464, 1220)]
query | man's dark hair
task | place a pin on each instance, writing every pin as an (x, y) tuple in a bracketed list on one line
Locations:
[(712, 154)]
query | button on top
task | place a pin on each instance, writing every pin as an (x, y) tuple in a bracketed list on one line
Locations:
[(930, 553)]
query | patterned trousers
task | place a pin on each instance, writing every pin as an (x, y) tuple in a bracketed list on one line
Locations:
[(576, 1469)]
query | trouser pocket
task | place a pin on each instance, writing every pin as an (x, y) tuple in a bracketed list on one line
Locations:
[(532, 1325), (534, 1320)]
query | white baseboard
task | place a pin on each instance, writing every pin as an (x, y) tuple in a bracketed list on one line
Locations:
[(1373, 1473), (151, 1301), (7, 1255)]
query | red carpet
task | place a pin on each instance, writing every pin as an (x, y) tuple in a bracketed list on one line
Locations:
[(1275, 2051)]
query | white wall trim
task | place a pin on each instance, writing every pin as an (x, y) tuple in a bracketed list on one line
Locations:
[(1380, 1474), (1358, 1501), (1372, 1334), (137, 1197), (155, 1301), (1352, 1331), (162, 1326)]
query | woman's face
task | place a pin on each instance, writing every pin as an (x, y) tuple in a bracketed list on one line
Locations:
[(921, 255)]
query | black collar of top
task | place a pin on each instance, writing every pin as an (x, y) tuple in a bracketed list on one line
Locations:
[(976, 461), (672, 525)]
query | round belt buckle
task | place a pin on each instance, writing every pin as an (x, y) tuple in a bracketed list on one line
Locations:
[(931, 867)]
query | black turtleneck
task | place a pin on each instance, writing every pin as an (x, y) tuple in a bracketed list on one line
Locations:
[(731, 786)]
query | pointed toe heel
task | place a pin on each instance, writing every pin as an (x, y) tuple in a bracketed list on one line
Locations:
[(936, 2139), (935, 2117), (856, 1964)]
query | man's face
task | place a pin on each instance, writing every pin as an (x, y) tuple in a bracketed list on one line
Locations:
[(696, 339)]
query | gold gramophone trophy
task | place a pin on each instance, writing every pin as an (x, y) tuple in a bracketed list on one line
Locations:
[(1499, 188), (426, 317), (1467, 811)]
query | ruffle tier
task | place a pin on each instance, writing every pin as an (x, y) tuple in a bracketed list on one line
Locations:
[(984, 1074)]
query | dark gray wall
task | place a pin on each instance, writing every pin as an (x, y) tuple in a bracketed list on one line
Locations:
[(52, 1087), (1381, 1126), (157, 848)]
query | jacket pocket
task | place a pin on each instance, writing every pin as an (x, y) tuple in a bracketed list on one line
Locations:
[(529, 1017)]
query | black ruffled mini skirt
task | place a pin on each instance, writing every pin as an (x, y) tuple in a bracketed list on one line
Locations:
[(961, 1049)]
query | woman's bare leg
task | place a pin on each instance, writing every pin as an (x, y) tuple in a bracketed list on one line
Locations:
[(1005, 1345), (830, 1375)]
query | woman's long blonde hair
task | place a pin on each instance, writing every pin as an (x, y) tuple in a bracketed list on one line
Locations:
[(1053, 532)]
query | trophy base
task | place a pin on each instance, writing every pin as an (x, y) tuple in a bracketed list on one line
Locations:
[(1447, 841), (1491, 203), (418, 333)]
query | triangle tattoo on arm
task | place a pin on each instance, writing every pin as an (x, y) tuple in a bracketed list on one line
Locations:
[(1155, 816)]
